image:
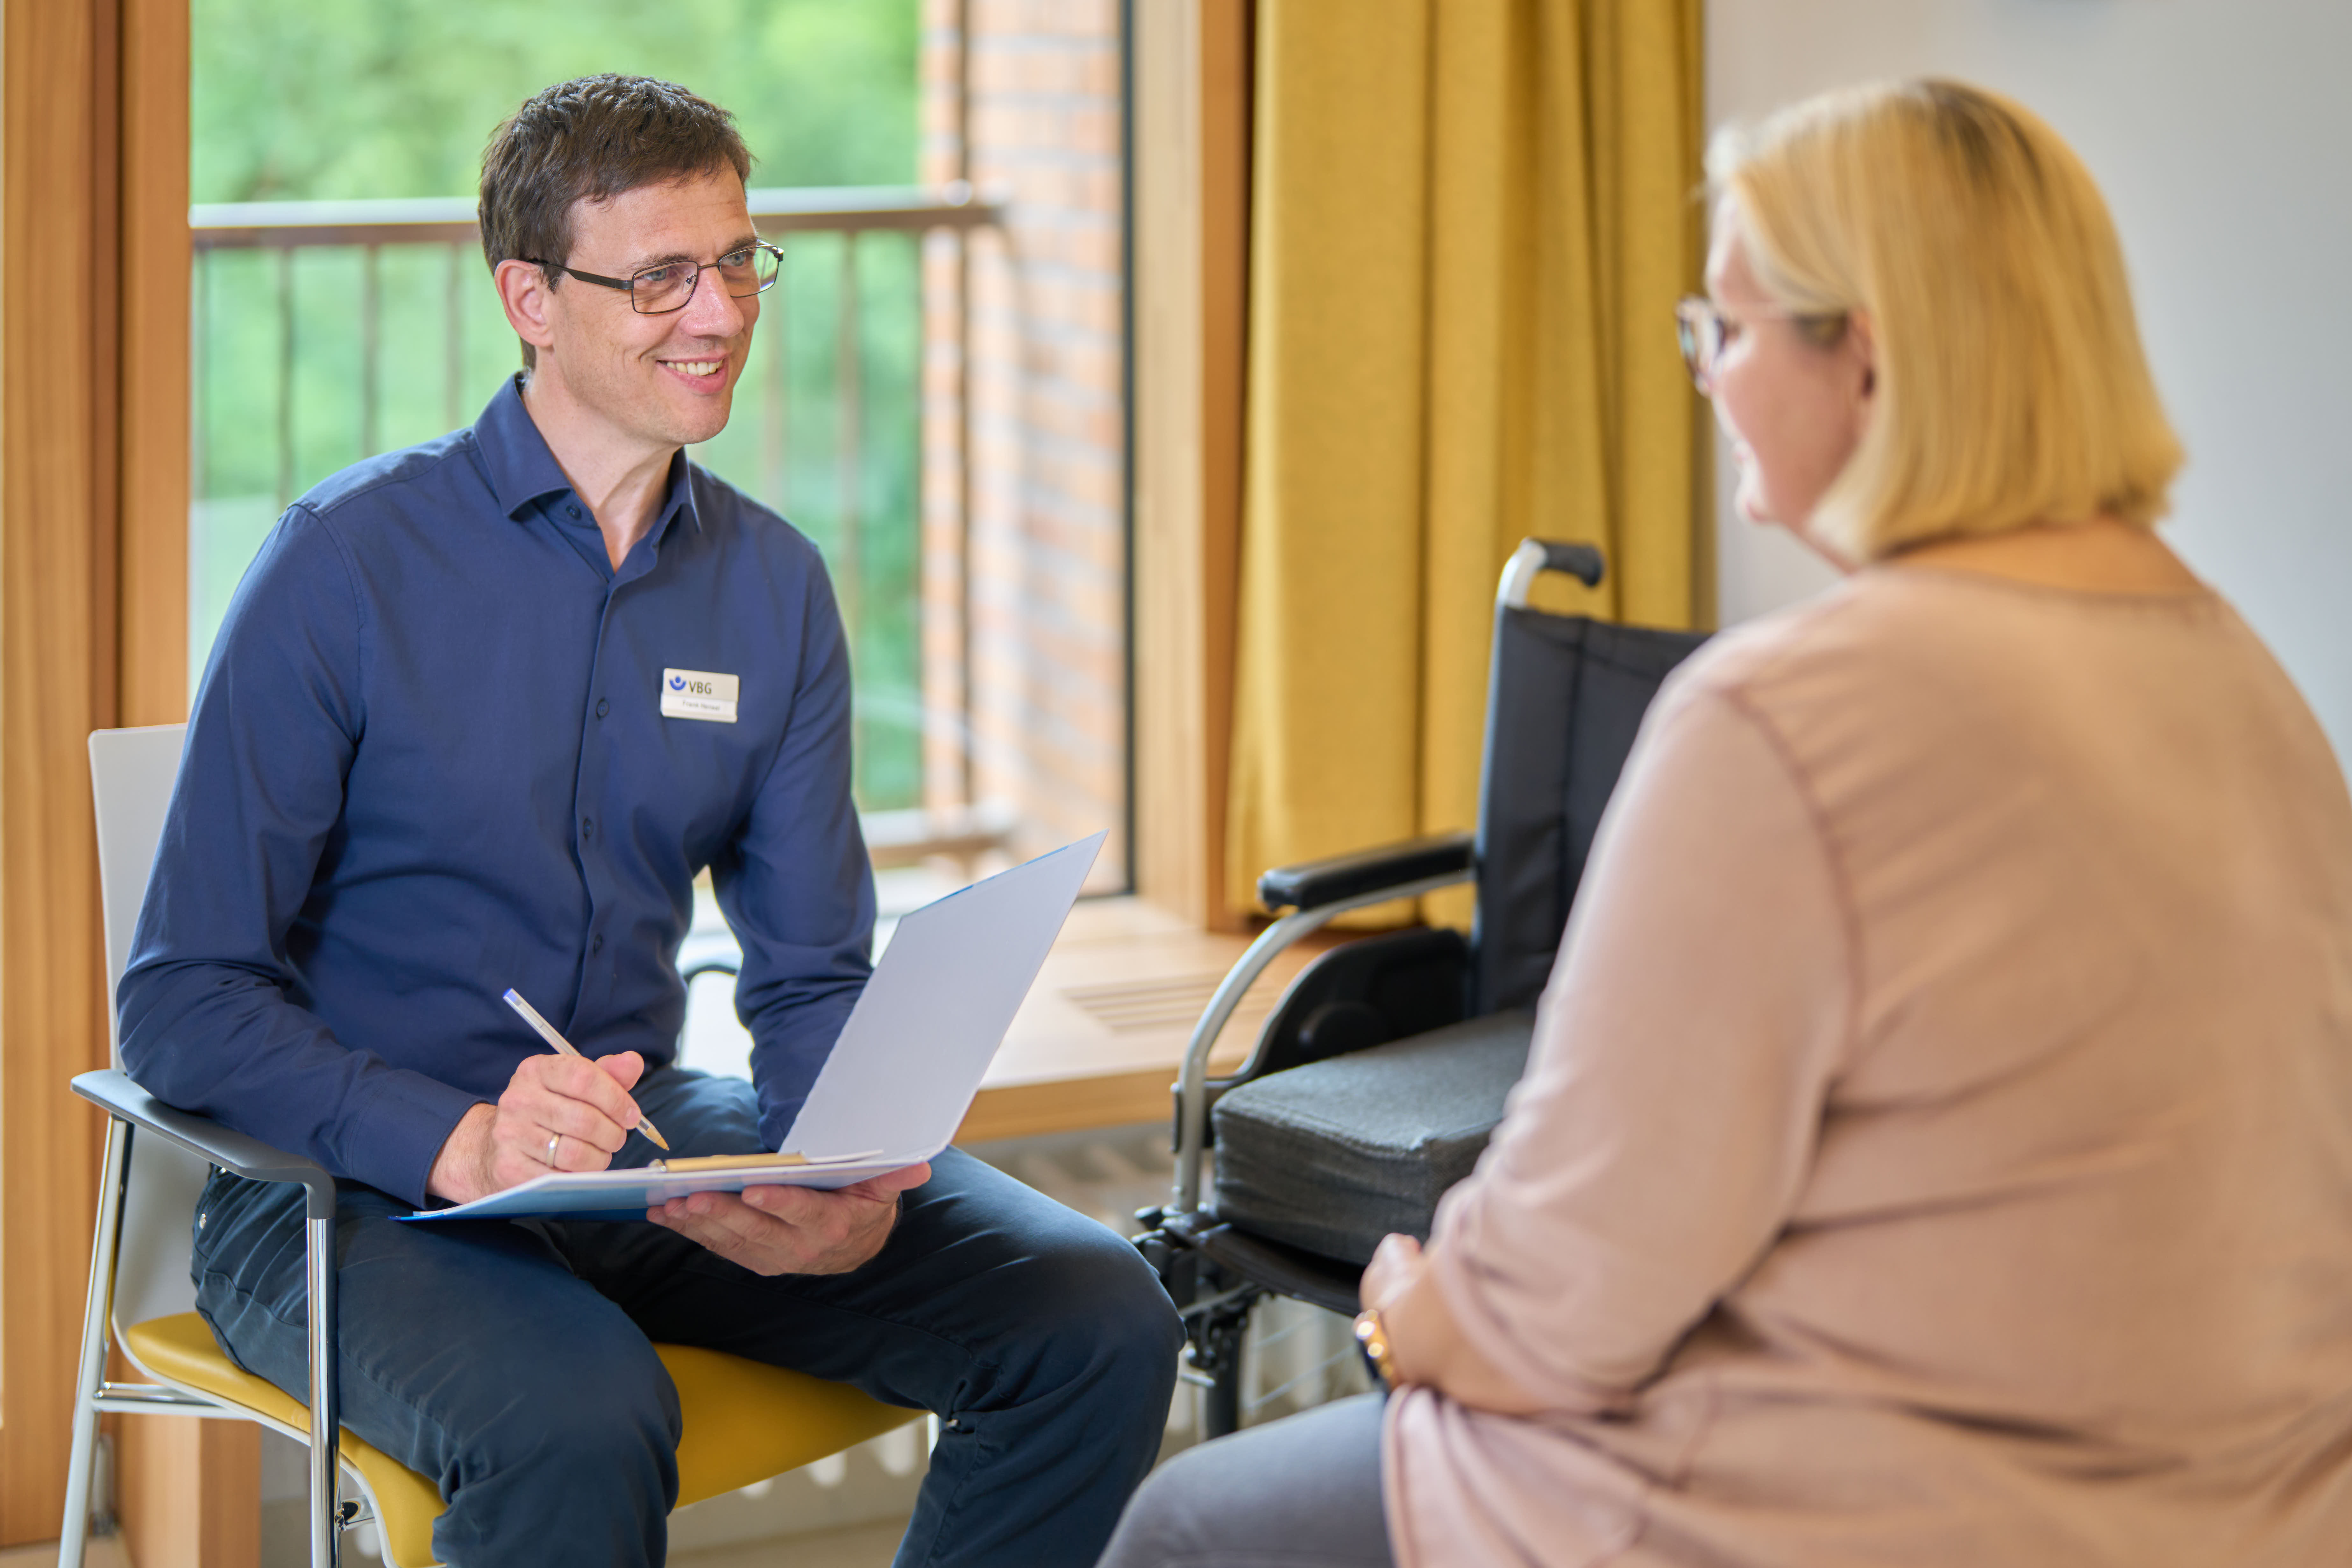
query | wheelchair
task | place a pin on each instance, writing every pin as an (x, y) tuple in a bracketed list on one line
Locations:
[(1378, 1076)]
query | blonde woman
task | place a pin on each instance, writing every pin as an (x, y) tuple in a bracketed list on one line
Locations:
[(1938, 1143)]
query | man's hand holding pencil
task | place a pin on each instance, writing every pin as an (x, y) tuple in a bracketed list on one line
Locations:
[(558, 1113), (565, 1112), (561, 1112)]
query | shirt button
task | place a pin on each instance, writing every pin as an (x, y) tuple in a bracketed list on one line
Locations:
[(571, 511), (587, 827), (596, 944), (600, 706)]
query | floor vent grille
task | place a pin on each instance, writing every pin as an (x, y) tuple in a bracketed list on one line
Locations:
[(1173, 1002)]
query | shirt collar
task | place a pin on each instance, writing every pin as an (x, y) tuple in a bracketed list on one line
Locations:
[(522, 469)]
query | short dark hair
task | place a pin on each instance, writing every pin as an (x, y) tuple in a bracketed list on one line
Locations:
[(592, 138)]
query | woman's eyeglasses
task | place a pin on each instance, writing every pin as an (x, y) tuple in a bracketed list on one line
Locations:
[(1705, 331)]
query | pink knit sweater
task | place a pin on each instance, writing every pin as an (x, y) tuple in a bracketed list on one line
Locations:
[(1938, 1143)]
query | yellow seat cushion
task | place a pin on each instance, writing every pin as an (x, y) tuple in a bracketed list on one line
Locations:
[(744, 1421)]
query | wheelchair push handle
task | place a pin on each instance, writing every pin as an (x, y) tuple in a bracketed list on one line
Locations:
[(1535, 556)]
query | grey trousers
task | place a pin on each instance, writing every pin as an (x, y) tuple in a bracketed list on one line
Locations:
[(1303, 1493)]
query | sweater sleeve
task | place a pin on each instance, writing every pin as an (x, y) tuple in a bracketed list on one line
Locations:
[(1700, 1008)]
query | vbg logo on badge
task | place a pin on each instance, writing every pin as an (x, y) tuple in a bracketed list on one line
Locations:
[(699, 694)]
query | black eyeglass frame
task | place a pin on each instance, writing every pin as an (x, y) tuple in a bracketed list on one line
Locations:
[(629, 285)]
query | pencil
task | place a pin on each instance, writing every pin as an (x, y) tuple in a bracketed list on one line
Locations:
[(547, 1032)]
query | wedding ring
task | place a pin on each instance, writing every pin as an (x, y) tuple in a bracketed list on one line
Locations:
[(553, 1140)]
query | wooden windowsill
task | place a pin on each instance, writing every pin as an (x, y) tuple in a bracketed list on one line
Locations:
[(1098, 1042)]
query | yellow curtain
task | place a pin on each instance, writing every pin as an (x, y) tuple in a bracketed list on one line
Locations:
[(1471, 221)]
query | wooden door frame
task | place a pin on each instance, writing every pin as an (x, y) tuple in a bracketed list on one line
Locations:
[(93, 623)]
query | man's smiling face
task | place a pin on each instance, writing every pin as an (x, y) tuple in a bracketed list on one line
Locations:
[(668, 379)]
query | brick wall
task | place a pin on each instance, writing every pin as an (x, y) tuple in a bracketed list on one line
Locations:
[(1042, 560)]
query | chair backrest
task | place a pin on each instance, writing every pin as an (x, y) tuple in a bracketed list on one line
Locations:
[(131, 776), (1565, 698), (131, 772)]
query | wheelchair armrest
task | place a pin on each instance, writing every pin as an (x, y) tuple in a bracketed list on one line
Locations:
[(1311, 884), (206, 1139), (1409, 870)]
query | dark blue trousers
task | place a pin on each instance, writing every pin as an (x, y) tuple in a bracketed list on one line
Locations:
[(513, 1363)]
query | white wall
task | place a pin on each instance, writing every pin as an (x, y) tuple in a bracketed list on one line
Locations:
[(2222, 132)]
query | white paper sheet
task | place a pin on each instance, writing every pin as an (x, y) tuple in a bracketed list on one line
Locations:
[(909, 1060)]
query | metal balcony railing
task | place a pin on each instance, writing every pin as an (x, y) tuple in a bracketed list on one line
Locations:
[(325, 331)]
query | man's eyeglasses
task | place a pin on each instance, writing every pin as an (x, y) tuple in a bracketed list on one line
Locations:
[(1704, 331), (657, 291)]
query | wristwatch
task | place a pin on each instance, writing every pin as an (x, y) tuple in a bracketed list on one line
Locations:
[(1372, 1338)]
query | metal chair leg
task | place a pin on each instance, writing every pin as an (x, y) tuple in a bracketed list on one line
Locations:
[(326, 1524), (73, 1532), (74, 1529)]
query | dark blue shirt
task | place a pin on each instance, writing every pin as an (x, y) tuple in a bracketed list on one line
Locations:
[(428, 761)]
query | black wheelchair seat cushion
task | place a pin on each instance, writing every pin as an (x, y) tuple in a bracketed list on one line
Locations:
[(1336, 1154)]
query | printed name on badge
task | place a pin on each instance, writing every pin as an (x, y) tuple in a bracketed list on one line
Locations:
[(699, 694)]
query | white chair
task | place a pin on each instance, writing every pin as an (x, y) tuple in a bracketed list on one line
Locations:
[(744, 1421)]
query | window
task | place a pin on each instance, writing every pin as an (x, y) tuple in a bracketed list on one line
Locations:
[(935, 392)]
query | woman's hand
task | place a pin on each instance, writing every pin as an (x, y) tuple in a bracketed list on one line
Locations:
[(1395, 1267), (1426, 1344)]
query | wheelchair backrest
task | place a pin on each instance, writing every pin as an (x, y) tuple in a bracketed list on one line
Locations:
[(1565, 699)]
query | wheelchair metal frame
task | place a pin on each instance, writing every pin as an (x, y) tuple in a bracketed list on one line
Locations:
[(1212, 1275)]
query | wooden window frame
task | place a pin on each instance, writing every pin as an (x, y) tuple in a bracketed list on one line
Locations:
[(1191, 116)]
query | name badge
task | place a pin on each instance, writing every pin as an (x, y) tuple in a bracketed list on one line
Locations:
[(699, 694)]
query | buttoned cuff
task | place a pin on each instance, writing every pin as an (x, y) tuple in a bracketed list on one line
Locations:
[(391, 1140)]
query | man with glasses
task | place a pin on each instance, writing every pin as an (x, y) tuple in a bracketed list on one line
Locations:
[(441, 749)]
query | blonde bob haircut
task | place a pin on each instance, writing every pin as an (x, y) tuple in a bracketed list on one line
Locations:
[(2010, 383)]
